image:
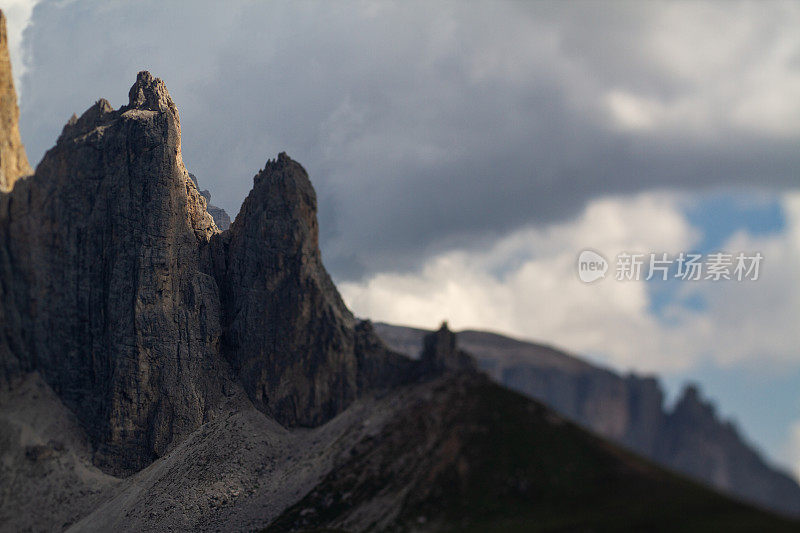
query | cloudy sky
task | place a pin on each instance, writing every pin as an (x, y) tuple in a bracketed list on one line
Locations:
[(465, 153)]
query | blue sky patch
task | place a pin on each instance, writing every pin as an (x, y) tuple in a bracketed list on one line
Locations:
[(717, 217), (720, 215)]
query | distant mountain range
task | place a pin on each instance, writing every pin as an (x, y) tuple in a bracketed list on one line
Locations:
[(690, 438)]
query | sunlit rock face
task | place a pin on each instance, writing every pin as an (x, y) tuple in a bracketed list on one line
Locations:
[(13, 161), (220, 216)]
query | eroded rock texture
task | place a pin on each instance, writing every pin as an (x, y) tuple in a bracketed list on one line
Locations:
[(288, 334), (118, 287), (113, 301)]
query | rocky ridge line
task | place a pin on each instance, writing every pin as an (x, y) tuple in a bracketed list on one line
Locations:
[(630, 410)]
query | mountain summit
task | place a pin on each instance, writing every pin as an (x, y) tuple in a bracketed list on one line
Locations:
[(123, 294)]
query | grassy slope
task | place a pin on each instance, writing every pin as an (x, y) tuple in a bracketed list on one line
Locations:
[(469, 455)]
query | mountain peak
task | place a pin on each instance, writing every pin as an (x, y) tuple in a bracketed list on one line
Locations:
[(283, 161), (13, 160), (692, 404), (90, 119), (150, 93)]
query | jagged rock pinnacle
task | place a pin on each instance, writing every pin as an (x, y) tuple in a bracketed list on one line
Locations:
[(441, 354), (91, 118), (150, 93), (143, 324), (13, 160), (142, 316)]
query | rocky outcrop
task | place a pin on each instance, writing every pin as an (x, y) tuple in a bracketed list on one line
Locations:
[(440, 355), (629, 410), (13, 161), (120, 290), (110, 293), (287, 332), (692, 439)]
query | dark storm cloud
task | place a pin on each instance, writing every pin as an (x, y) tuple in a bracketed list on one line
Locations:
[(425, 126)]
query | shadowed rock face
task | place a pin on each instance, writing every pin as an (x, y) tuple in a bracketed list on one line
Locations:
[(118, 287), (287, 332), (112, 297), (221, 218), (13, 161)]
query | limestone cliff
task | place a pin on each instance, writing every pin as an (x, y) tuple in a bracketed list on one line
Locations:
[(118, 287), (287, 332), (13, 161), (110, 296), (134, 333)]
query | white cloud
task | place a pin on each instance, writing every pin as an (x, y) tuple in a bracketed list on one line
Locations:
[(720, 82), (526, 285), (633, 112), (756, 322)]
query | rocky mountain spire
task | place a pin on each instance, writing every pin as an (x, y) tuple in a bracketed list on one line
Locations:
[(149, 93), (13, 160), (109, 295), (119, 289), (286, 331)]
